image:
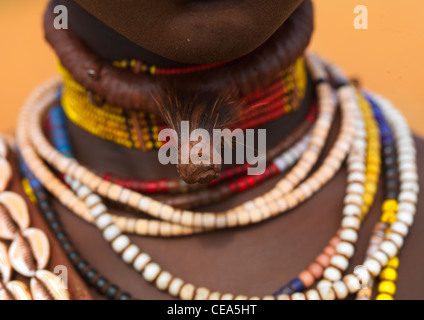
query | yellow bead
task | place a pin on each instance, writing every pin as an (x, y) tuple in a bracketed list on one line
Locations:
[(368, 199), (384, 296), (393, 263), (391, 205), (388, 287), (370, 187), (149, 145), (388, 274), (388, 217)]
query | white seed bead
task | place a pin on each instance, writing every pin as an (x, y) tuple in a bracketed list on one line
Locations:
[(326, 292), (400, 228), (410, 186), (98, 209), (141, 261), (373, 267), (351, 222), (356, 188), (163, 280), (144, 204), (357, 166), (340, 289), (354, 198), (298, 296), (408, 176), (389, 248), (256, 298), (346, 249), (151, 271), (130, 253), (340, 262), (352, 283), (356, 177), (83, 192), (215, 295), (202, 294), (175, 287), (408, 196), (241, 297), (396, 238), (352, 210), (312, 295), (406, 206), (103, 221), (349, 235), (75, 184), (381, 257), (364, 276), (332, 274), (324, 284), (125, 196), (405, 217), (111, 233), (120, 243), (227, 296), (268, 298), (92, 200)]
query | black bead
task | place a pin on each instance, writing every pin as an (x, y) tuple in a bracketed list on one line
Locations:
[(49, 215), (81, 265), (100, 283), (55, 225), (391, 173), (392, 183), (391, 194), (43, 205), (111, 291), (389, 150), (90, 274), (124, 296), (67, 245), (73, 255), (390, 161), (61, 235)]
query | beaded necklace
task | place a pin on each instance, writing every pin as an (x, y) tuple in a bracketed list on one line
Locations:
[(331, 286), (280, 199), (140, 129), (151, 269), (282, 158)]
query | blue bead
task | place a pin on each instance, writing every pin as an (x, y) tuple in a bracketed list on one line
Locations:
[(297, 285)]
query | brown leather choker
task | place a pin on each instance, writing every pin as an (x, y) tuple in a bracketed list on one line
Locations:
[(124, 88)]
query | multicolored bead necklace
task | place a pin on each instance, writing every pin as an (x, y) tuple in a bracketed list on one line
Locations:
[(279, 164), (140, 130)]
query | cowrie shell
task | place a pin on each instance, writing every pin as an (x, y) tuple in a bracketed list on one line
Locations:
[(5, 174), (15, 216), (4, 294), (18, 290), (48, 286), (29, 252), (5, 265)]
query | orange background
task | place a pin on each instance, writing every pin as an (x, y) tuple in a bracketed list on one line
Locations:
[(387, 57)]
